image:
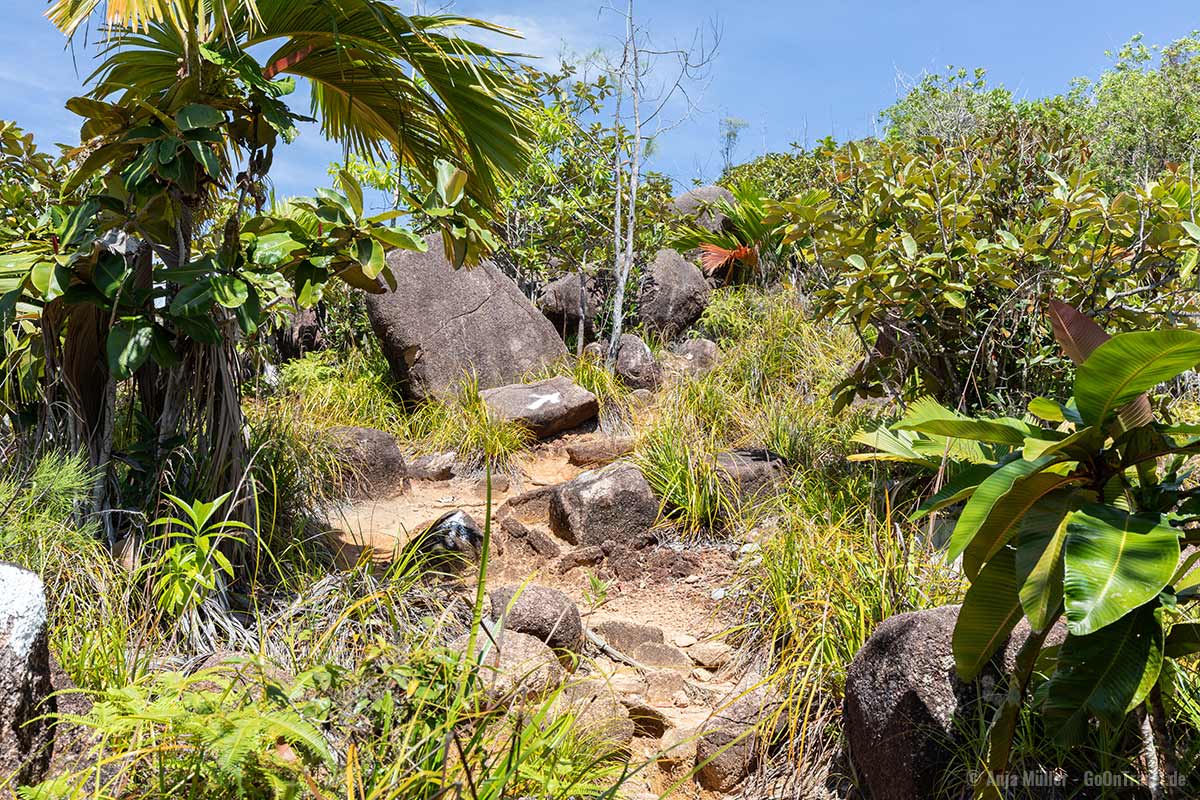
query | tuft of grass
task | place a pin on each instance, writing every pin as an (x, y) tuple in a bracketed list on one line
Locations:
[(466, 426), (99, 627)]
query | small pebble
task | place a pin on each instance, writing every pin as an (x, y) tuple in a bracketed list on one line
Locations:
[(750, 547), (701, 674), (717, 594), (684, 640), (680, 699), (692, 579)]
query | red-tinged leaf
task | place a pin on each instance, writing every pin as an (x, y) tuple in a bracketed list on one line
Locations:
[(1077, 334)]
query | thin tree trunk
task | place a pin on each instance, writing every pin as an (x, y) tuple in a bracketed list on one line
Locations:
[(581, 332), (618, 219), (625, 260)]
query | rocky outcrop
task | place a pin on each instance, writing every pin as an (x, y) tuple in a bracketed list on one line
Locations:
[(753, 472), (673, 294), (545, 407), (697, 203), (698, 356), (545, 613), (515, 666), (636, 365), (613, 505), (905, 708), (441, 325), (559, 302), (26, 737), (370, 461)]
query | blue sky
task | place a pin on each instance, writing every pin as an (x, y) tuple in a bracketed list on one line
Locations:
[(795, 71)]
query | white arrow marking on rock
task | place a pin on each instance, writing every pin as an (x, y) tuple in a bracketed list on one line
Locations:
[(544, 399)]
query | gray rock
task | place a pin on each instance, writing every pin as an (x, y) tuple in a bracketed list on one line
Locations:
[(661, 654), (543, 612), (905, 709), (370, 461), (433, 467), (559, 302), (697, 203), (626, 636), (599, 451), (699, 356), (673, 294), (26, 742), (678, 747), (754, 472), (515, 667), (545, 407), (613, 505), (730, 742), (711, 655), (636, 365), (580, 557), (598, 712), (442, 324)]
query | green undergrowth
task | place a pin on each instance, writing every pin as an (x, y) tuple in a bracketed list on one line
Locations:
[(770, 389)]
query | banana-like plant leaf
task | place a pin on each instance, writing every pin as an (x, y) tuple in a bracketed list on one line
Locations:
[(989, 612), (1114, 563), (1040, 540), (1129, 364), (1080, 445), (958, 488), (1105, 673), (985, 517), (1053, 411), (1183, 640), (926, 415)]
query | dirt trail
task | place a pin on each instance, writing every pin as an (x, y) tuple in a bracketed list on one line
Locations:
[(673, 591)]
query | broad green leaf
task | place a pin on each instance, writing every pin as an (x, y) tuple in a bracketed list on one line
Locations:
[(958, 488), (450, 182), (370, 255), (49, 279), (398, 238), (1080, 445), (353, 191), (1047, 409), (275, 248), (1115, 562), (1105, 673), (910, 245), (206, 158), (989, 612), (229, 290), (1040, 540), (109, 274), (1129, 364), (978, 430), (128, 346), (198, 115), (989, 506), (192, 300)]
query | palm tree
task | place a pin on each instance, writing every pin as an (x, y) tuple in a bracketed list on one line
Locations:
[(181, 122), (383, 82)]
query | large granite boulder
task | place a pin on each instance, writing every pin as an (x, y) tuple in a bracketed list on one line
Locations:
[(543, 612), (698, 202), (26, 736), (545, 407), (636, 365), (905, 709), (673, 294), (442, 324), (370, 461), (611, 505), (559, 301)]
